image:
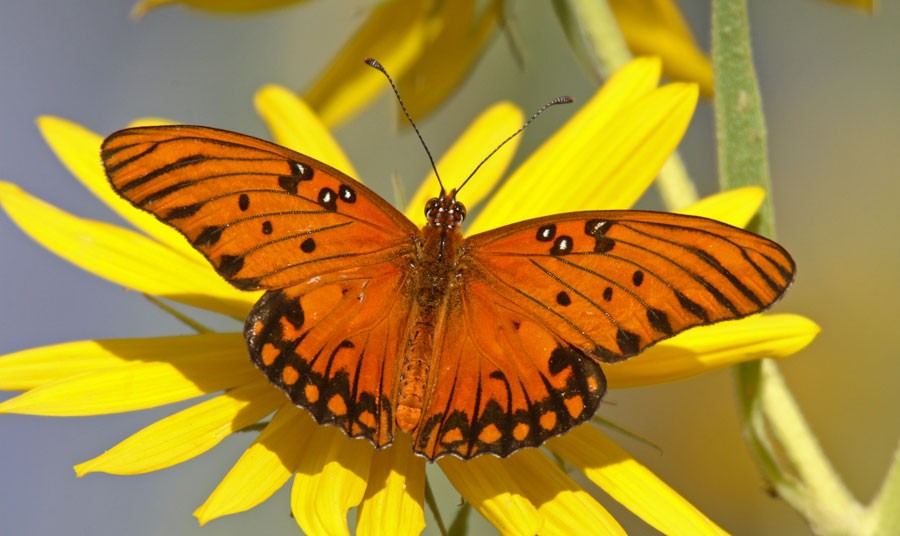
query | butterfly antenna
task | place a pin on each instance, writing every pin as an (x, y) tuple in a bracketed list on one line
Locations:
[(375, 64), (558, 100)]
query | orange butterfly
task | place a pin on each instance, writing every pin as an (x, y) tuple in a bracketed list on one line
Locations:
[(472, 345)]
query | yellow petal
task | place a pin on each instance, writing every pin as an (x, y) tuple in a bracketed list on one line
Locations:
[(294, 125), (657, 28), (590, 166), (734, 207), (632, 82), (392, 504), (708, 348), (79, 150), (188, 433), (331, 479), (480, 138), (630, 483), (565, 507), (151, 122), (217, 6), (448, 57), (394, 34), (489, 486), (122, 256), (36, 366), (263, 468), (140, 385)]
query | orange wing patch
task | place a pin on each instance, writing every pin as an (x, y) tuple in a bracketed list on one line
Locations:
[(613, 283), (335, 346), (265, 216), (501, 382)]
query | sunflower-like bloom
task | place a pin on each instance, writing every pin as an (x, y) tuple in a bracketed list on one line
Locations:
[(609, 151), (430, 45)]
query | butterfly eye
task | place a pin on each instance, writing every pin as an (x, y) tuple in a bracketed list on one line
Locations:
[(459, 212), (432, 206)]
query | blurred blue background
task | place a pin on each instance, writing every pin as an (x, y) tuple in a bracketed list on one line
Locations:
[(830, 79)]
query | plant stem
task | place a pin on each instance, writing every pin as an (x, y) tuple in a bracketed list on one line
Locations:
[(788, 452)]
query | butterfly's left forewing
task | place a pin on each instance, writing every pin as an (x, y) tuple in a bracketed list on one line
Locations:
[(266, 217)]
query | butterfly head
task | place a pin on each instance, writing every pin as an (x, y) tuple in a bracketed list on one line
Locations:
[(445, 211)]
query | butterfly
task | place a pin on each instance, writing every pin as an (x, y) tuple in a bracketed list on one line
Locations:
[(470, 344)]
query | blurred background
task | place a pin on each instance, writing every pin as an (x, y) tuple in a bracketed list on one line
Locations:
[(830, 79)]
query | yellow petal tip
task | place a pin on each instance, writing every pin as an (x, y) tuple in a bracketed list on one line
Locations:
[(8, 188), (82, 469)]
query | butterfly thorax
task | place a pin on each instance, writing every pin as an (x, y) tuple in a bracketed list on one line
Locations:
[(435, 274)]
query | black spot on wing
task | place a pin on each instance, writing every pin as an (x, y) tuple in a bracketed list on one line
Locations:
[(659, 320), (308, 245), (562, 246), (230, 265), (546, 233), (328, 199), (637, 278), (629, 343), (347, 194), (209, 236), (299, 173)]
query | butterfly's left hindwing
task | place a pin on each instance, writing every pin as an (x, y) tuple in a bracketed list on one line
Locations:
[(615, 282), (265, 216)]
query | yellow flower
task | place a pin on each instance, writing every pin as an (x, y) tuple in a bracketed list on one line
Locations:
[(610, 150), (656, 27), (429, 46), (217, 6), (867, 5)]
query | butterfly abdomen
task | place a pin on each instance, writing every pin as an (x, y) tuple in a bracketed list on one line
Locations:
[(433, 277)]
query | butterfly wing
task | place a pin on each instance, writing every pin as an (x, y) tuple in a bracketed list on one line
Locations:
[(615, 282), (501, 380), (266, 217), (333, 256), (332, 346), (544, 302)]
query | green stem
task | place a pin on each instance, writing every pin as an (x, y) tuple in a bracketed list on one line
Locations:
[(740, 126), (432, 505), (788, 452), (594, 36)]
